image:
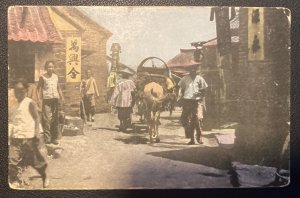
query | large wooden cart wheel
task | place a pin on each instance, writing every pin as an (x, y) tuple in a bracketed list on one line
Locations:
[(152, 59)]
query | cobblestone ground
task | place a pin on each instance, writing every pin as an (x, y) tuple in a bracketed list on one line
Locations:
[(104, 158)]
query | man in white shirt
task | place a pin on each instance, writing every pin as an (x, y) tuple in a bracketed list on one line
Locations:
[(192, 88), (24, 137)]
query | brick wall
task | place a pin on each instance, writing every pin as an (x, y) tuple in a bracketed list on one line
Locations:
[(97, 63), (93, 41)]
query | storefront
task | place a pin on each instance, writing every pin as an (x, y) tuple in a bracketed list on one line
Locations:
[(75, 43)]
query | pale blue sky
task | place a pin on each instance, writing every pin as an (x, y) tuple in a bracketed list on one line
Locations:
[(153, 31)]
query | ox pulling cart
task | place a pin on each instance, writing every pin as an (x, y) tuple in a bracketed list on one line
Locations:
[(153, 85)]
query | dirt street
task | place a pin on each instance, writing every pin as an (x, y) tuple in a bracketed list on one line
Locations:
[(104, 158)]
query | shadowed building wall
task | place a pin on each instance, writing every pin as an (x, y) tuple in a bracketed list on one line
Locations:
[(264, 86)]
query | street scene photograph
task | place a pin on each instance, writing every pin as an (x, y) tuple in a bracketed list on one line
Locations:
[(148, 97)]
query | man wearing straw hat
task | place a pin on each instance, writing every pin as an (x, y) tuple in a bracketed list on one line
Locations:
[(192, 88), (122, 99)]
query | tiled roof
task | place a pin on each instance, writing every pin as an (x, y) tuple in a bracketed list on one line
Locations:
[(32, 23), (184, 59)]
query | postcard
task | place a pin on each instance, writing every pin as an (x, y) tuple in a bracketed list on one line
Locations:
[(148, 97)]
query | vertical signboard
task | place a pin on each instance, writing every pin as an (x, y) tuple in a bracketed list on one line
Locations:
[(73, 59), (256, 34)]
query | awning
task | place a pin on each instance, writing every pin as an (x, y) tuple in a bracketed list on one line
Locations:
[(32, 23)]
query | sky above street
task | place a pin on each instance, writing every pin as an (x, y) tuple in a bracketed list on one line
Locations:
[(152, 31)]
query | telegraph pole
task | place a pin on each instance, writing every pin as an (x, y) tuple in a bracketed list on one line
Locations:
[(115, 55)]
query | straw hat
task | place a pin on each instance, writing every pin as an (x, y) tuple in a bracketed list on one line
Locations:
[(125, 71), (193, 67)]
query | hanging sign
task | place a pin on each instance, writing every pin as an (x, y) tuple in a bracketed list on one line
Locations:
[(256, 34), (73, 59)]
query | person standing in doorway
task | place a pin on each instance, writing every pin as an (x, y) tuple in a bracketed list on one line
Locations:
[(89, 91), (123, 99), (192, 89), (52, 97), (24, 137)]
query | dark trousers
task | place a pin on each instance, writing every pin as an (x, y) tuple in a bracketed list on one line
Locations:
[(124, 115), (50, 120), (25, 152), (191, 118), (89, 105)]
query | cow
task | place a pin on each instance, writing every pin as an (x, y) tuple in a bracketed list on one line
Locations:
[(153, 97)]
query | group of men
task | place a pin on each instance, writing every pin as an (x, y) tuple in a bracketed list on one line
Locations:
[(25, 125), (191, 96), (34, 121), (27, 132)]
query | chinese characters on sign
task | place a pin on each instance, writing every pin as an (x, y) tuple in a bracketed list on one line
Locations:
[(256, 33), (73, 59)]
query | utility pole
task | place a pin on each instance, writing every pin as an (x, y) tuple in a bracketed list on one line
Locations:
[(115, 55), (113, 77)]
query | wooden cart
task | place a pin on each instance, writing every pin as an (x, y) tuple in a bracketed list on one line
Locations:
[(151, 69)]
